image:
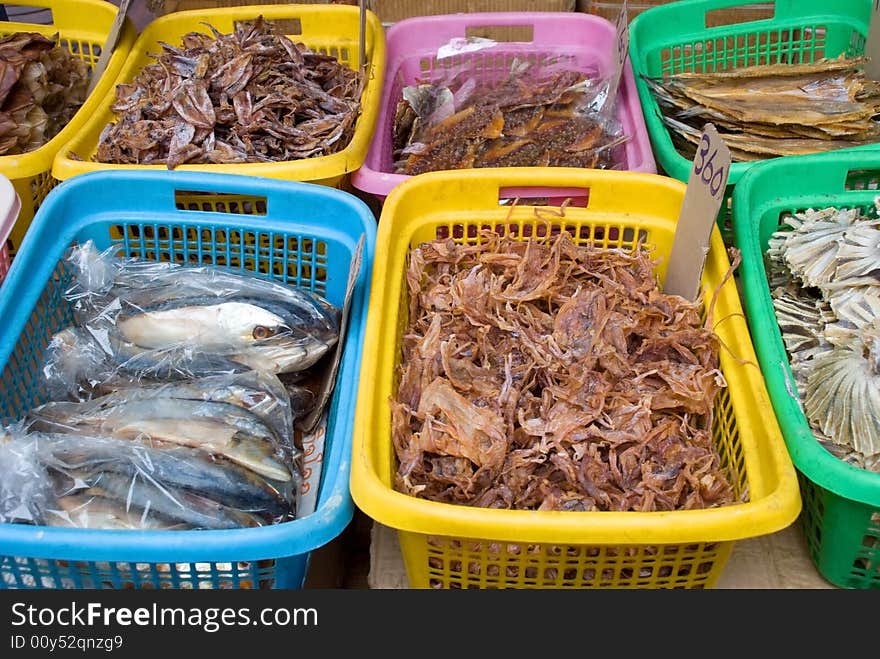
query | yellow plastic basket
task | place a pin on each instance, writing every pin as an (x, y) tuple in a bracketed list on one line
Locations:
[(82, 26), (330, 29), (451, 546)]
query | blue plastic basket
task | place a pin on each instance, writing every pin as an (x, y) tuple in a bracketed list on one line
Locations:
[(298, 233)]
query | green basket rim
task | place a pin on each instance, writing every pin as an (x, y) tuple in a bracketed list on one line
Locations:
[(660, 26)]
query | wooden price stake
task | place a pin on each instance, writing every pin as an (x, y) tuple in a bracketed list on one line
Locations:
[(109, 45), (699, 210), (872, 44)]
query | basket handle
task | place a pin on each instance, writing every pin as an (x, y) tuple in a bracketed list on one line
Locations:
[(28, 11), (859, 179), (545, 196), (754, 10)]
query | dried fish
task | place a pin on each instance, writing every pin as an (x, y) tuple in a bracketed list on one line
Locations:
[(530, 118), (244, 97), (773, 110), (829, 316), (548, 375)]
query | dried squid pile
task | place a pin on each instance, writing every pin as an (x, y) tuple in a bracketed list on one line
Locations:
[(823, 269), (42, 85), (245, 97), (528, 119), (774, 110), (544, 375)]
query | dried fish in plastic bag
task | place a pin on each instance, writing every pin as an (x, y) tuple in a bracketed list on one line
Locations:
[(534, 115), (169, 321)]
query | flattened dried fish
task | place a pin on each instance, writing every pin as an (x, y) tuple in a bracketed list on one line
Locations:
[(829, 315), (773, 110)]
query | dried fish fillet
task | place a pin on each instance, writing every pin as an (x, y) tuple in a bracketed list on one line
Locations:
[(773, 110), (547, 375)]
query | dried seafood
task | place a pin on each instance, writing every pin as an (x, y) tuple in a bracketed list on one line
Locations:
[(829, 316), (249, 96), (528, 119), (545, 375), (773, 110), (42, 85)]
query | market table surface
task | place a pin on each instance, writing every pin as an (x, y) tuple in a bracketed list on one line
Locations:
[(776, 561)]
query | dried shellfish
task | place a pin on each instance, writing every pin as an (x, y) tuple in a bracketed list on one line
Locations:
[(42, 85)]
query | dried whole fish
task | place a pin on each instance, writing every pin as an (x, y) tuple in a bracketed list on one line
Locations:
[(42, 85), (773, 110), (179, 467), (169, 320), (528, 119), (245, 97), (828, 312), (216, 428), (546, 375)]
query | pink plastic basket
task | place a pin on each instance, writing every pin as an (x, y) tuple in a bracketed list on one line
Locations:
[(580, 41), (10, 205)]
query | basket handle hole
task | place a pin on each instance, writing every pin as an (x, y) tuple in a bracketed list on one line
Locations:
[(542, 196), (288, 26), (220, 202), (862, 179), (28, 14), (745, 13), (502, 33)]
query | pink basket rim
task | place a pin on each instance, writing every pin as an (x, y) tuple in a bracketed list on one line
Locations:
[(380, 183)]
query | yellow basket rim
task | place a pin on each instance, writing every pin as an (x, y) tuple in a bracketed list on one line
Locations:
[(772, 505), (40, 160), (320, 168)]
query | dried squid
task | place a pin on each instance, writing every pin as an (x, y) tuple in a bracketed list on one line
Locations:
[(546, 375), (829, 316), (245, 97), (42, 85)]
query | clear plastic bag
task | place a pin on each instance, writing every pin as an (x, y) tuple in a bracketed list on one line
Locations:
[(544, 111), (226, 417), (160, 320), (105, 482), (25, 488)]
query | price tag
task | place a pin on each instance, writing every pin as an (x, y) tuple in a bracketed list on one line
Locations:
[(872, 44), (699, 211)]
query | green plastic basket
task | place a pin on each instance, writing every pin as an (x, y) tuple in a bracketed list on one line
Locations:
[(672, 38), (841, 503)]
